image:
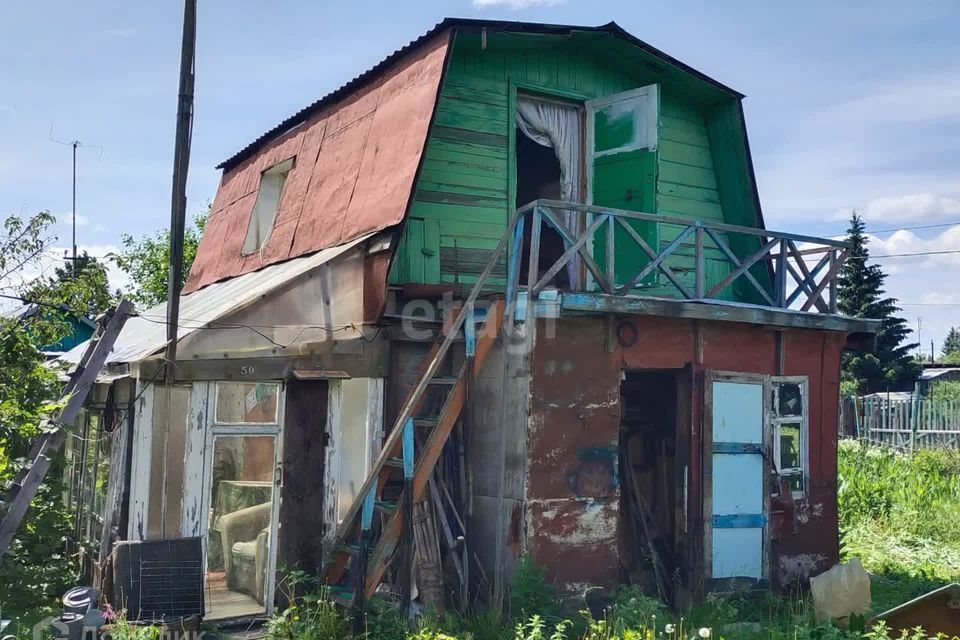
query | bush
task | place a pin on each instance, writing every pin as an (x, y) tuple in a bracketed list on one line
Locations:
[(532, 594)]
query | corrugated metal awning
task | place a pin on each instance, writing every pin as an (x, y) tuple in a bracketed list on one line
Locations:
[(930, 374), (146, 333)]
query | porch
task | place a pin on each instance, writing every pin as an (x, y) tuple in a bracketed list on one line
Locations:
[(618, 261)]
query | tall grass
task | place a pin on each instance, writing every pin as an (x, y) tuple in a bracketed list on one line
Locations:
[(900, 514)]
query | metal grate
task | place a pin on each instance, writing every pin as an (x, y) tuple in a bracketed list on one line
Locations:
[(160, 579)]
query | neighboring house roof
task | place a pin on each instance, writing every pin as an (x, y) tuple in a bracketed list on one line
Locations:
[(891, 395), (932, 374), (146, 333)]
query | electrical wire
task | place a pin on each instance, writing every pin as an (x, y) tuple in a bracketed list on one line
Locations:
[(214, 325), (922, 226)]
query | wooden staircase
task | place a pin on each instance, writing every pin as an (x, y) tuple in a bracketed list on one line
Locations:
[(363, 555)]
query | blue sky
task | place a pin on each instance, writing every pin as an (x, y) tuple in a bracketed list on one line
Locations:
[(849, 105)]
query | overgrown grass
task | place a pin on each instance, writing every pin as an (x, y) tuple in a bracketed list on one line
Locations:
[(900, 514)]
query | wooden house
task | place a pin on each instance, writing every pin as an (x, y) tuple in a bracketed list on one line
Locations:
[(519, 273)]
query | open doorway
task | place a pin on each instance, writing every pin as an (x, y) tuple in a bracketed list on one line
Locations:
[(648, 444), (548, 153)]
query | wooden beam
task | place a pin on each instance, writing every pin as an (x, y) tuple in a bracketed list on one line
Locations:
[(656, 260), (831, 274), (662, 219), (732, 257), (717, 310), (743, 269), (574, 249), (586, 257), (807, 278)]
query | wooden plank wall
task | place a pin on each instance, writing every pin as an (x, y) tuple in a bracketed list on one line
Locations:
[(687, 187), (463, 192)]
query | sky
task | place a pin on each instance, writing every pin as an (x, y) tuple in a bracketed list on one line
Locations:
[(850, 105)]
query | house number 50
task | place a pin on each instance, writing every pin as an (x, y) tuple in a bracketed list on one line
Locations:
[(247, 370)]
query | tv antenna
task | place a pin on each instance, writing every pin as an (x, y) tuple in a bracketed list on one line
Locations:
[(74, 145)]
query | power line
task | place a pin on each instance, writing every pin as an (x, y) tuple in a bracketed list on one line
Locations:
[(923, 226), (214, 325)]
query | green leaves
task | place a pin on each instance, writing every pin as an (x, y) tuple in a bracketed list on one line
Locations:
[(146, 260)]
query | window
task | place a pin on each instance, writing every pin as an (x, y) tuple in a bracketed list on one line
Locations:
[(265, 208), (789, 430), (247, 402)]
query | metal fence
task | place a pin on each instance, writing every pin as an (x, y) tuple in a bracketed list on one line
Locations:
[(907, 424)]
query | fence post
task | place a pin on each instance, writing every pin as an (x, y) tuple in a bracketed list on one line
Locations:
[(913, 425)]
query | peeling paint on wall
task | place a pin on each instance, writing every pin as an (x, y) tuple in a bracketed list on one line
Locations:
[(800, 567)]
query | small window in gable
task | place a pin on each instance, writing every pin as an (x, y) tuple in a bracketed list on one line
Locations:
[(265, 208)]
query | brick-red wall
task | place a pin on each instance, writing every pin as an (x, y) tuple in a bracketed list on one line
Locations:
[(572, 497)]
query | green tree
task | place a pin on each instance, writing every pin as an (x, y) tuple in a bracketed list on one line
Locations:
[(951, 358), (65, 296), (951, 344), (945, 390), (36, 569), (861, 294), (146, 260)]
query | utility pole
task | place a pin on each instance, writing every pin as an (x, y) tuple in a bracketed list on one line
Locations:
[(181, 163), (178, 213), (73, 210)]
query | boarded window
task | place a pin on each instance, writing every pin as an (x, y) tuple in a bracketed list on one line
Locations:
[(265, 209), (167, 449)]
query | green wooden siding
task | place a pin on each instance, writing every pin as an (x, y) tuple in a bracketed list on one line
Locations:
[(464, 190)]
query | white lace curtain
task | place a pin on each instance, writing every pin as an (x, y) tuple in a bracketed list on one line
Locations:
[(557, 126)]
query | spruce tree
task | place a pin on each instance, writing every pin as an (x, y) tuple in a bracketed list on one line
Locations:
[(951, 343), (861, 294)]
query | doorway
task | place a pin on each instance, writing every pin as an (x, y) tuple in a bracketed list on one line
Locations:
[(549, 155), (648, 459), (241, 498)]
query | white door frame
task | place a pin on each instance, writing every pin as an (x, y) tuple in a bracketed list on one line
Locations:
[(213, 430)]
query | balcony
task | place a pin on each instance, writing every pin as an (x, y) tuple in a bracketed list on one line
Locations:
[(617, 261)]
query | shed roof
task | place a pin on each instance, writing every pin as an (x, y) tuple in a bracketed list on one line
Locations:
[(932, 374), (146, 333)]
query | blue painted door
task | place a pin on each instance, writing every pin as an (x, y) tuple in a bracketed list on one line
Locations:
[(738, 530)]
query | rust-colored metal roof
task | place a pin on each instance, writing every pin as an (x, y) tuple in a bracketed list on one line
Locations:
[(354, 165), (356, 153)]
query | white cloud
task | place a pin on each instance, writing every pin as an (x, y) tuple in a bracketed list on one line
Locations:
[(914, 207), (514, 4), (910, 99), (55, 257)]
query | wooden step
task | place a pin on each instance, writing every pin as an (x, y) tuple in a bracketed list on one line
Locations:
[(427, 423), (385, 507), (443, 380)]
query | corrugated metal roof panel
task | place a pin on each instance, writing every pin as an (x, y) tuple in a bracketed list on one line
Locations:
[(353, 172), (146, 333), (611, 28), (930, 374)]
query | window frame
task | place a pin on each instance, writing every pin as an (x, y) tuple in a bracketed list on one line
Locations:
[(776, 420), (282, 169)]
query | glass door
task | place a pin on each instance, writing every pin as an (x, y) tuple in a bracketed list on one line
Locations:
[(242, 498)]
